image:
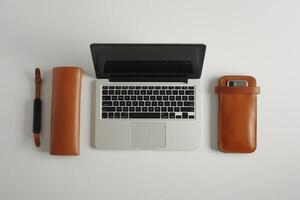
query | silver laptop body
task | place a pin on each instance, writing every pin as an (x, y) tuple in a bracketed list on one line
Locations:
[(148, 97)]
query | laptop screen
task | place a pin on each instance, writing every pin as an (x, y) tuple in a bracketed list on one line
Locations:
[(159, 60)]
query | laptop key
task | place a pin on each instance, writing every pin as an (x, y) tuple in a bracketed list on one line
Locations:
[(187, 109), (144, 115), (184, 115), (104, 92), (106, 103), (164, 115), (191, 117), (106, 98), (108, 109), (117, 115), (104, 115), (188, 103), (189, 92), (110, 115), (124, 115), (172, 115)]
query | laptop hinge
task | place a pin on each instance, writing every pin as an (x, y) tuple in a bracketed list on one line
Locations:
[(147, 79)]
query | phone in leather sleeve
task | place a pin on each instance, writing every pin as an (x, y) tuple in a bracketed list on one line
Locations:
[(237, 115)]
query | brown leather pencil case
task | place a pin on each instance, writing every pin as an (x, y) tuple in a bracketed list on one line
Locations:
[(237, 115), (65, 113)]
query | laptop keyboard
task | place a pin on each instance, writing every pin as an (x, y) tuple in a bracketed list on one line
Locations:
[(149, 102)]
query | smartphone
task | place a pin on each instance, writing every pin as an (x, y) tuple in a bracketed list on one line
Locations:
[(237, 83)]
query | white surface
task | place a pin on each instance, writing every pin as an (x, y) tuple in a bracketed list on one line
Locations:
[(260, 38)]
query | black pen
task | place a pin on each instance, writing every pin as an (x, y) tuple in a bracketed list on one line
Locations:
[(37, 108)]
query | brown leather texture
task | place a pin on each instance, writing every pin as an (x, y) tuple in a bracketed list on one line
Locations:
[(237, 117), (65, 112)]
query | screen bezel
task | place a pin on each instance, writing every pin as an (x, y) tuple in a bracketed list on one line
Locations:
[(179, 49)]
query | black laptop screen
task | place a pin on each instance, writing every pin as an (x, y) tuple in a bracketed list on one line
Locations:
[(149, 67), (182, 60)]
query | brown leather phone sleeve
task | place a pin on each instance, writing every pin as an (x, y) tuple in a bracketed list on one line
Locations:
[(65, 113), (237, 115)]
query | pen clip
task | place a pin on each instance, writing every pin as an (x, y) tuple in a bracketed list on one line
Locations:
[(38, 82)]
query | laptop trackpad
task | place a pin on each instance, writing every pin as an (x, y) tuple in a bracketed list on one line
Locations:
[(148, 135)]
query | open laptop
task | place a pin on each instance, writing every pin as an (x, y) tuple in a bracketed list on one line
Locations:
[(147, 95)]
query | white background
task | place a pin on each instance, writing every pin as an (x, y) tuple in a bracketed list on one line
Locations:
[(259, 38)]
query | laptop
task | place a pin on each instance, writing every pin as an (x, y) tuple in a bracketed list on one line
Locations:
[(147, 96)]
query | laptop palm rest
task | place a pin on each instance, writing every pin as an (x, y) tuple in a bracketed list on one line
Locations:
[(148, 135)]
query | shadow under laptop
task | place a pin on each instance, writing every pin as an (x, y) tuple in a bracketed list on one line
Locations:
[(213, 112)]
